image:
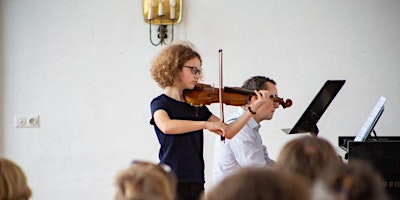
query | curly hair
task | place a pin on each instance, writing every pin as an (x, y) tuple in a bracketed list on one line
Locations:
[(167, 64)]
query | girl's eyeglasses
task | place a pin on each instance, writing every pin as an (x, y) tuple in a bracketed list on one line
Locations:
[(194, 70)]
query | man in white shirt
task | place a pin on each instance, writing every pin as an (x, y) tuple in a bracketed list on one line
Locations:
[(246, 148)]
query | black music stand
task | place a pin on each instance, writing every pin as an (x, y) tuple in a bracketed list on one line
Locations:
[(308, 121)]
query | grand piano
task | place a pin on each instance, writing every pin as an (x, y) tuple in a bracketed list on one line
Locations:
[(382, 152)]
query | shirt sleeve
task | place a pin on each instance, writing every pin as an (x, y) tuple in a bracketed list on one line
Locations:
[(247, 150), (269, 161), (157, 104)]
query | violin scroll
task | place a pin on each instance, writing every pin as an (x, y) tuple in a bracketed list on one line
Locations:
[(284, 104)]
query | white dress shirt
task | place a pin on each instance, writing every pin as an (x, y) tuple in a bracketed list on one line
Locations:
[(244, 149)]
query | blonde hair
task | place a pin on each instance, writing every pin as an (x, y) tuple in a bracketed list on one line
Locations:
[(307, 156), (170, 61), (145, 180), (13, 183)]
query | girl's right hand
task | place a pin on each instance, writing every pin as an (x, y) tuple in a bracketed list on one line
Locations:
[(217, 127)]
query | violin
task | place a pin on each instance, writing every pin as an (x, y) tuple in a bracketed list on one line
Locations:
[(203, 94)]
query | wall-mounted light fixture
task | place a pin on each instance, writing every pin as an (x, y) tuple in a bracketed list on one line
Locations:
[(162, 13)]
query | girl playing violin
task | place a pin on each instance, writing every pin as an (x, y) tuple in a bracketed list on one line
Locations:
[(178, 125)]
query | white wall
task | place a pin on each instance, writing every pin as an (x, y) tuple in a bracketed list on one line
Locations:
[(83, 66)]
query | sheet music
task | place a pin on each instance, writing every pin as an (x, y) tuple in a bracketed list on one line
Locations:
[(371, 120)]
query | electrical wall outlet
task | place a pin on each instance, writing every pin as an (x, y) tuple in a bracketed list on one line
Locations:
[(26, 121)]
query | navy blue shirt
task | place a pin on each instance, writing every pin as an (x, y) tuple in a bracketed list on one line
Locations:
[(183, 152)]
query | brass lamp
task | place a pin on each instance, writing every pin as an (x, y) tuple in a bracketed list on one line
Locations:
[(162, 13)]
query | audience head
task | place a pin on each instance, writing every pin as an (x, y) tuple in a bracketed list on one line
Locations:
[(253, 183), (356, 181), (307, 156), (13, 182), (145, 181)]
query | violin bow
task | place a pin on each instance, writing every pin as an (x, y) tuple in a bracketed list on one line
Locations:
[(221, 104)]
